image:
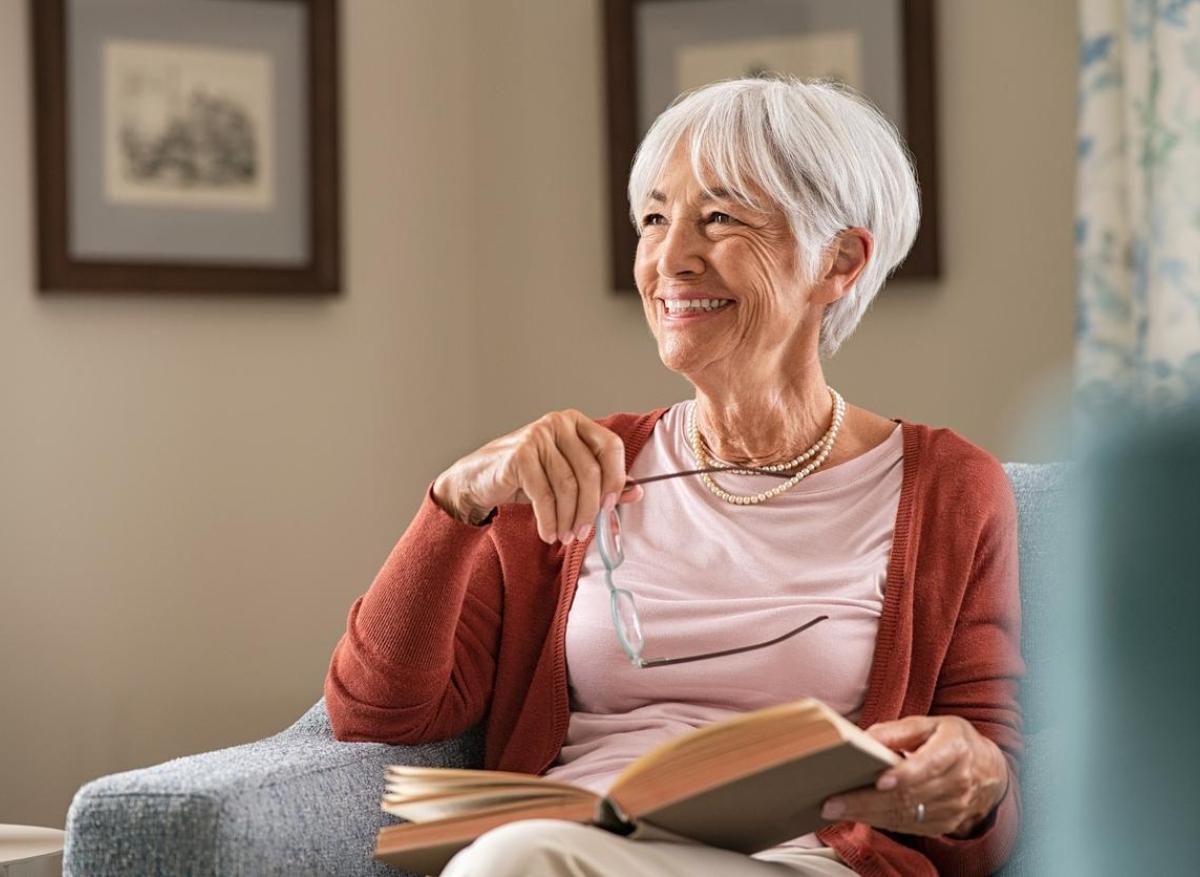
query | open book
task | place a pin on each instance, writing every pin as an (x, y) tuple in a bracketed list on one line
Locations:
[(746, 783)]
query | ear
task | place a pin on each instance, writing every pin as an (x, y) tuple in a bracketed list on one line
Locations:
[(845, 259)]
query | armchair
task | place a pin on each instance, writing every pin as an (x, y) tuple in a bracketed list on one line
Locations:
[(301, 802)]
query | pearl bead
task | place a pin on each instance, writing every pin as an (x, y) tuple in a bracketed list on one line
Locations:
[(822, 449)]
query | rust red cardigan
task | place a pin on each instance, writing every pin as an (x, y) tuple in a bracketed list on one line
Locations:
[(467, 623)]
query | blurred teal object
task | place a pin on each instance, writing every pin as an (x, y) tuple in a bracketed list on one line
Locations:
[(1125, 678)]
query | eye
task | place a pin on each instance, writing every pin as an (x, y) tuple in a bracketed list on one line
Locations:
[(653, 219), (720, 218)]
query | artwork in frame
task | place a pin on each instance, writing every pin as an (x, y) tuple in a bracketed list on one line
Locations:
[(187, 145), (656, 49)]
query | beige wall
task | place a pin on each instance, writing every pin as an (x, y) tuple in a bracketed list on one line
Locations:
[(963, 352), (193, 490)]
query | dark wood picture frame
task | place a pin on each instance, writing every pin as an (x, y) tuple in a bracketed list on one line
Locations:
[(58, 270), (923, 260)]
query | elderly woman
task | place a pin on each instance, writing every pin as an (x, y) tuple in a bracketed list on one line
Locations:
[(770, 212)]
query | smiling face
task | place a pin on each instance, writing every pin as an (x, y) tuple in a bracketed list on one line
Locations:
[(760, 316)]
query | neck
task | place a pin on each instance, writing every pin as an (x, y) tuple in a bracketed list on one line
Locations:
[(766, 425)]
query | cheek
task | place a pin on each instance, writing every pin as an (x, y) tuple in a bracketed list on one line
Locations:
[(771, 259), (644, 278), (650, 309), (770, 267), (770, 298), (748, 266), (645, 260)]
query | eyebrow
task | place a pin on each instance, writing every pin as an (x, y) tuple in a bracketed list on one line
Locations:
[(717, 193)]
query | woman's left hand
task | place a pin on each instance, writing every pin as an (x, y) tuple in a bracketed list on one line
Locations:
[(956, 772)]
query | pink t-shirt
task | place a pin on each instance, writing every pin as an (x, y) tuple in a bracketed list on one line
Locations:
[(708, 575)]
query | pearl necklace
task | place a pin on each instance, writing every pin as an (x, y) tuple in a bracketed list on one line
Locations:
[(822, 448)]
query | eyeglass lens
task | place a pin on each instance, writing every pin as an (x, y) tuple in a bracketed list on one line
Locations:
[(608, 530), (626, 617)]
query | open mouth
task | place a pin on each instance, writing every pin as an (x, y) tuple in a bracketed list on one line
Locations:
[(694, 307)]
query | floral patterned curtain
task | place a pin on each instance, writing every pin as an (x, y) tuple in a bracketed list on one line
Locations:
[(1138, 205)]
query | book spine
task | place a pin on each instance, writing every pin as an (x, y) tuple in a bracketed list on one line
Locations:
[(610, 817)]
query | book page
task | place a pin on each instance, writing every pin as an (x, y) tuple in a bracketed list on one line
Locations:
[(426, 847), (444, 807), (728, 734), (431, 780), (424, 794), (449, 776), (723, 751)]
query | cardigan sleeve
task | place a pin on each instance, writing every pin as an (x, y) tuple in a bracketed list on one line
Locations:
[(417, 661), (980, 677)]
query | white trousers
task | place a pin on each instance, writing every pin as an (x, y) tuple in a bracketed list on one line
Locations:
[(558, 848)]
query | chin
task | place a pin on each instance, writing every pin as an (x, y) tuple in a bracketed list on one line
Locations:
[(682, 362)]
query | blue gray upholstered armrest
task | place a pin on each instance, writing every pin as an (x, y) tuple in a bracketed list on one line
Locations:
[(299, 802), (1042, 492)]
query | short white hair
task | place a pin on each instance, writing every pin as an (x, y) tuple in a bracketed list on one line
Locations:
[(822, 152)]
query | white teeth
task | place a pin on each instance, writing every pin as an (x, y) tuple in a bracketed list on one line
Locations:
[(676, 306)]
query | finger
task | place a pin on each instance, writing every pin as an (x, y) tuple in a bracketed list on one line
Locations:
[(566, 489), (587, 478), (907, 733), (947, 799), (863, 805), (536, 487), (633, 493), (893, 811), (609, 451), (943, 751)]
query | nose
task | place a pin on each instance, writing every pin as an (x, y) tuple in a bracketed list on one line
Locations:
[(681, 250)]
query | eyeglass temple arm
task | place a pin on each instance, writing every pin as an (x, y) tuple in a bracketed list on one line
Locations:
[(630, 482), (651, 662)]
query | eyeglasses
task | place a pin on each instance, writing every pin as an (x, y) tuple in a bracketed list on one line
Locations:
[(621, 601)]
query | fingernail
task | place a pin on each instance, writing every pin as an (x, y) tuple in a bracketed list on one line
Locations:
[(887, 782), (610, 502), (832, 809), (583, 531), (566, 538)]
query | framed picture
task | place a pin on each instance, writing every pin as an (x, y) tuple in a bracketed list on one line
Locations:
[(659, 48), (187, 145)]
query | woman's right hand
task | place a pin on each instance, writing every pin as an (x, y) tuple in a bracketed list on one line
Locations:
[(564, 463)]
